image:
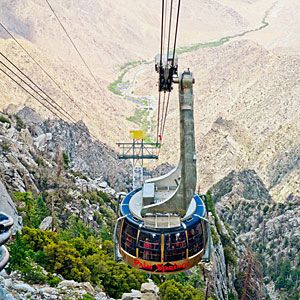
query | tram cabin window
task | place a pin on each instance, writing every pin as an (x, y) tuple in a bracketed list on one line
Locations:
[(195, 241), (128, 240), (149, 246), (175, 246)]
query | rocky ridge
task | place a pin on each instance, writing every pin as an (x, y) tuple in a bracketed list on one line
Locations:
[(31, 161), (35, 142), (13, 288), (270, 229)]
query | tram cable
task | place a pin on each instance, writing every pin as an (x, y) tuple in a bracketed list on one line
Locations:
[(167, 67), (176, 30), (43, 69), (162, 115), (73, 44), (52, 108), (166, 112), (28, 92), (170, 26), (64, 112)]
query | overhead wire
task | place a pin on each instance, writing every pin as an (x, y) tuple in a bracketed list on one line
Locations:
[(162, 31), (43, 69), (73, 44), (54, 110), (161, 62), (162, 114), (43, 104), (78, 52), (165, 107), (176, 30), (170, 26), (166, 113), (51, 99), (165, 27)]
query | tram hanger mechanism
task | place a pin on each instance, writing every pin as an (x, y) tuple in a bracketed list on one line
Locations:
[(163, 226)]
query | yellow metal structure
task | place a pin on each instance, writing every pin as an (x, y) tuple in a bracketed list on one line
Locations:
[(137, 134)]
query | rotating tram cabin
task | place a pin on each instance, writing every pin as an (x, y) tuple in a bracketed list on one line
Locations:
[(163, 226)]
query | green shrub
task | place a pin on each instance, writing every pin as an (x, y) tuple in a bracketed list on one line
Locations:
[(94, 197), (33, 273), (98, 218), (53, 281), (214, 235), (87, 297), (231, 296), (33, 210), (116, 278), (66, 160), (79, 175), (19, 123), (5, 146), (75, 253), (4, 120), (229, 253), (62, 258), (172, 289)]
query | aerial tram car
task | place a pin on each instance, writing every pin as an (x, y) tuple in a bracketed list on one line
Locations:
[(163, 225)]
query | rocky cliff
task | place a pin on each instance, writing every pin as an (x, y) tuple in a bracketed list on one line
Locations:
[(63, 163), (269, 228)]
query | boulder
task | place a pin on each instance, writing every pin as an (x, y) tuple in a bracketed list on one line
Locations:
[(134, 295), (41, 141), (48, 290), (87, 287), (29, 116), (46, 223), (67, 284), (149, 287), (103, 184), (11, 109), (26, 137), (23, 287), (150, 296)]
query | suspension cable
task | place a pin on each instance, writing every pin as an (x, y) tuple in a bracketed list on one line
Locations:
[(165, 27), (162, 31), (43, 104), (158, 118), (162, 116), (65, 113), (40, 101), (42, 68), (176, 30), (166, 112), (73, 44), (170, 26)]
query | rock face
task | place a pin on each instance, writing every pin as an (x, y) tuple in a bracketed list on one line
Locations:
[(8, 207), (46, 223), (271, 229), (11, 288), (30, 160), (90, 157), (149, 291)]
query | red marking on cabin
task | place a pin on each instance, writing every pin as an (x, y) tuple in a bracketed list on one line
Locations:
[(165, 267)]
